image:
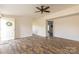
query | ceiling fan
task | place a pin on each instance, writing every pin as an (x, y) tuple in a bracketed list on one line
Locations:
[(43, 9)]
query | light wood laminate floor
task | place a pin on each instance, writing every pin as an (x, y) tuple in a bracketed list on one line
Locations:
[(39, 45)]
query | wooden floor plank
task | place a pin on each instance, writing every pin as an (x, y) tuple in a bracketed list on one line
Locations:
[(39, 45)]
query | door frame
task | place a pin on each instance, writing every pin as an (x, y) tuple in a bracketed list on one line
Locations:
[(47, 28)]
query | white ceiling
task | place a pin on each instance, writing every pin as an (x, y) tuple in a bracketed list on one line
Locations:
[(29, 9)]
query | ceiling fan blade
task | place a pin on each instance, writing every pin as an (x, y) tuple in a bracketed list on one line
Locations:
[(47, 11), (38, 8), (46, 8), (42, 9)]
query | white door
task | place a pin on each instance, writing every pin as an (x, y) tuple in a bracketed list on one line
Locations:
[(7, 28)]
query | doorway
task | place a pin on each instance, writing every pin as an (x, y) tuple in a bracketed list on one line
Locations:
[(49, 29), (7, 28)]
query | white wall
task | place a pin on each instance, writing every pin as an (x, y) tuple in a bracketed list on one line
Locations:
[(67, 27), (23, 27), (39, 27)]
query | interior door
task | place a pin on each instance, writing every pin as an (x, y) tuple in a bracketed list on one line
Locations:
[(50, 28), (7, 28)]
